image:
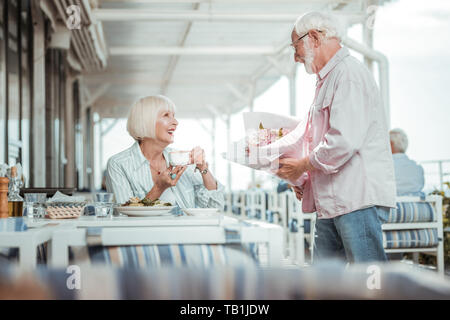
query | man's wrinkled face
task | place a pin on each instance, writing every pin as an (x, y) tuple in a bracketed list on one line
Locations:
[(297, 46), (303, 51)]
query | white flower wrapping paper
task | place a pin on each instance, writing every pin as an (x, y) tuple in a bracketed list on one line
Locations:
[(264, 156)]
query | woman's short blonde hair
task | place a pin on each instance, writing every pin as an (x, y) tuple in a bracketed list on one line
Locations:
[(143, 115)]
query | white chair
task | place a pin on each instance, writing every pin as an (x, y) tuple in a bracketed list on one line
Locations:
[(413, 227), (260, 204), (238, 205), (283, 209), (296, 230), (229, 203), (249, 211)]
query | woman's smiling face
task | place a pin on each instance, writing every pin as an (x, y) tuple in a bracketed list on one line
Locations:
[(166, 124)]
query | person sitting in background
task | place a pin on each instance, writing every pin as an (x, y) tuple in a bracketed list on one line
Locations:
[(283, 186), (409, 175), (143, 170)]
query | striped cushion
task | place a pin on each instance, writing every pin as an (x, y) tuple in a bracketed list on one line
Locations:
[(154, 256), (412, 212), (420, 238)]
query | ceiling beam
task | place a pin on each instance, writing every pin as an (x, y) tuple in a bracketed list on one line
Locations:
[(277, 65), (94, 96), (237, 93), (185, 80), (216, 112), (151, 15), (228, 1), (164, 51), (204, 127)]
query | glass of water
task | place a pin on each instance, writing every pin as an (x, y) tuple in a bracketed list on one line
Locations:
[(104, 203), (34, 205)]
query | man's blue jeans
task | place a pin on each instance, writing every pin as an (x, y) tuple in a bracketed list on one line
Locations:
[(355, 236)]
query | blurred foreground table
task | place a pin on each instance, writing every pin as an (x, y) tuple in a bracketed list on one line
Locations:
[(122, 231), (14, 233)]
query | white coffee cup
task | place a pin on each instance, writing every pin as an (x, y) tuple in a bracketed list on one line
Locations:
[(179, 158)]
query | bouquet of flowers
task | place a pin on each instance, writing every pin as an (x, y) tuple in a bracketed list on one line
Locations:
[(268, 137), (263, 137)]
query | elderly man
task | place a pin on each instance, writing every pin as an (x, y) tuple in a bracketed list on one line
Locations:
[(347, 175), (409, 175)]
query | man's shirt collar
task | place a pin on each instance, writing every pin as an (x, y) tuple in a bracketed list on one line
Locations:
[(333, 62)]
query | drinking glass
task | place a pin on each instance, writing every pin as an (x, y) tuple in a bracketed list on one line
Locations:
[(34, 205), (104, 203)]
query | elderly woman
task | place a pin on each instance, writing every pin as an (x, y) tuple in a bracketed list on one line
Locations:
[(143, 170)]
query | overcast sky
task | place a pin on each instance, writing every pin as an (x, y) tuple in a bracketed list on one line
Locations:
[(415, 36)]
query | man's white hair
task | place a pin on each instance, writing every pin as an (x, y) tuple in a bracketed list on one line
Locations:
[(329, 24), (399, 139)]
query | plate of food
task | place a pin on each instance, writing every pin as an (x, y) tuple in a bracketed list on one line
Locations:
[(145, 207)]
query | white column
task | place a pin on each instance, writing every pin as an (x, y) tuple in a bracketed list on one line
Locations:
[(292, 92), (38, 134), (70, 171), (213, 141), (84, 134), (368, 41), (92, 150), (251, 107), (229, 180), (370, 8), (100, 147), (383, 70)]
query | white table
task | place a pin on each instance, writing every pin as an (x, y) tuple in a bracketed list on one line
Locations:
[(26, 241), (163, 230), (125, 221)]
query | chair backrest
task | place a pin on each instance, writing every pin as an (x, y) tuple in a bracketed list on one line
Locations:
[(237, 199), (272, 201), (294, 209), (415, 209), (229, 202), (260, 203)]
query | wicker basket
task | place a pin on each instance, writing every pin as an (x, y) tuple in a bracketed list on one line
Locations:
[(64, 210)]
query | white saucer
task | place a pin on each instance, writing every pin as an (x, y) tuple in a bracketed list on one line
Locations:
[(201, 211), (145, 211)]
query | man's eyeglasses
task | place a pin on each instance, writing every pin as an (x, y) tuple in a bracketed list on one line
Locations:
[(296, 41)]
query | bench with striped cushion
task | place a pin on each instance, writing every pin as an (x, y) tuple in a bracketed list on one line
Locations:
[(418, 238), (412, 212)]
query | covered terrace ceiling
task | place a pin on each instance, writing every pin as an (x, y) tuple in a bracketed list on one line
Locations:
[(209, 56)]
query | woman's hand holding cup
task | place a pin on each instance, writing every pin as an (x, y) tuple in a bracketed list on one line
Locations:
[(197, 157)]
